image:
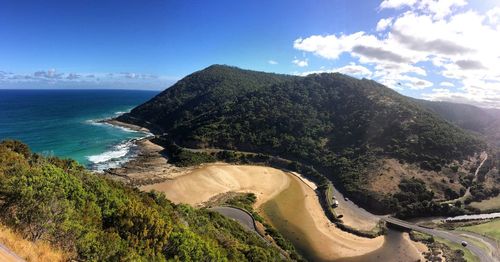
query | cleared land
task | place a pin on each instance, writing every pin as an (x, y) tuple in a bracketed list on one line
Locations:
[(489, 229), (489, 204)]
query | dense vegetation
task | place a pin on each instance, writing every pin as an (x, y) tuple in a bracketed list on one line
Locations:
[(415, 199), (246, 202), (95, 219), (337, 124)]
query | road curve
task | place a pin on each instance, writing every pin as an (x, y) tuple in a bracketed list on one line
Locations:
[(480, 253), (492, 244), (240, 215)]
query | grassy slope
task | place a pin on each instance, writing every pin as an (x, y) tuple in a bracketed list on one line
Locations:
[(469, 257), (492, 204), (28, 250), (490, 229)]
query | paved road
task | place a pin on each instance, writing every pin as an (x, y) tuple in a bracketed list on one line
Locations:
[(492, 244), (8, 256), (354, 210), (483, 255), (241, 216)]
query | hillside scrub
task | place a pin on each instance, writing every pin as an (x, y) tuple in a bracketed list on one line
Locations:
[(95, 219), (337, 124)]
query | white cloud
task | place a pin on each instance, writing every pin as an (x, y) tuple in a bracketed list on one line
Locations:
[(384, 23), (329, 46), (494, 15), (272, 62), (396, 4), (53, 79), (300, 63), (352, 69), (439, 36), (437, 8), (446, 84)]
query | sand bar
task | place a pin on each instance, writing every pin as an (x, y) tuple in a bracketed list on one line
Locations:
[(207, 181)]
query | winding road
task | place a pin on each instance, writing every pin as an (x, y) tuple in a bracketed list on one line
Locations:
[(483, 255), (240, 215), (247, 220)]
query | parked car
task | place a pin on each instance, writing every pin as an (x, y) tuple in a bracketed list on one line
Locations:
[(464, 243)]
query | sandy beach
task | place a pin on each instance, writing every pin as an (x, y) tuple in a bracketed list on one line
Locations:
[(300, 209), (202, 183), (207, 181), (299, 212)]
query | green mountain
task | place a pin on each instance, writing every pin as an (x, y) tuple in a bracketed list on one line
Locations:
[(338, 124)]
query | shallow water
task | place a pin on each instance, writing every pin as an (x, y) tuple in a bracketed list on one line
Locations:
[(279, 212), (395, 249), (287, 213)]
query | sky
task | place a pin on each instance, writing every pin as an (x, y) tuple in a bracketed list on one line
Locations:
[(432, 49)]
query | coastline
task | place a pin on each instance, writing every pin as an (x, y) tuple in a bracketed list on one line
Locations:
[(150, 170), (115, 122), (124, 152)]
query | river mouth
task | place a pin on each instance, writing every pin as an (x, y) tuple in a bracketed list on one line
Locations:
[(395, 248), (296, 213), (279, 212), (289, 213), (284, 200)]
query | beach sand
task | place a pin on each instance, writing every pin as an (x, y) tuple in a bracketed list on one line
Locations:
[(209, 180), (298, 212), (203, 183)]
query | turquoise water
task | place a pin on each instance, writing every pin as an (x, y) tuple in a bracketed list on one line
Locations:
[(64, 123)]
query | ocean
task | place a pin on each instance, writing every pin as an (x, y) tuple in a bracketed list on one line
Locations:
[(65, 123)]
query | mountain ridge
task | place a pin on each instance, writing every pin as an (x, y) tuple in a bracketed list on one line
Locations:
[(336, 123)]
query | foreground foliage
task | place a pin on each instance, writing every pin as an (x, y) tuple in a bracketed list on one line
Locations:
[(96, 219)]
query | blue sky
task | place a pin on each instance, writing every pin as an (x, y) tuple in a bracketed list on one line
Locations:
[(151, 44)]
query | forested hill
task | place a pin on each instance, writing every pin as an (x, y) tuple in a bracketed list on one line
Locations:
[(481, 120), (331, 121), (466, 116)]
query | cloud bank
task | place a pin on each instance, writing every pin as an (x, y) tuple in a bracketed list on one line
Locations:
[(51, 78), (446, 38)]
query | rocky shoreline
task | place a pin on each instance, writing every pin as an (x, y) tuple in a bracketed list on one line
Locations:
[(149, 166)]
